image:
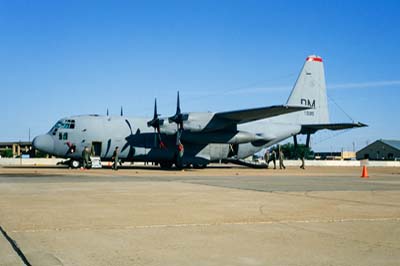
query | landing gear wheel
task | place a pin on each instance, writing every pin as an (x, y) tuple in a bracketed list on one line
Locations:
[(74, 164), (199, 166), (166, 165), (181, 166)]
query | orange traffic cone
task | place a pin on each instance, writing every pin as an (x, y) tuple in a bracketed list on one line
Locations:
[(364, 173)]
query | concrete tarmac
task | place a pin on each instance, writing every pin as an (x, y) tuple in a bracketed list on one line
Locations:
[(218, 216)]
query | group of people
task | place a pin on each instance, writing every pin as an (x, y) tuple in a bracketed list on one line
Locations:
[(86, 161), (86, 153), (272, 156), (269, 156)]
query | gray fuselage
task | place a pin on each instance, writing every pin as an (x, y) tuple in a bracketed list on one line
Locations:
[(138, 142)]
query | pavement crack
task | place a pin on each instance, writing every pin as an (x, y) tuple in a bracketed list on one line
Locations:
[(15, 246)]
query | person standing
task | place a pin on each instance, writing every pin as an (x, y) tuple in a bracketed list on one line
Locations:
[(85, 158), (302, 166), (281, 165), (266, 158), (273, 158), (115, 159)]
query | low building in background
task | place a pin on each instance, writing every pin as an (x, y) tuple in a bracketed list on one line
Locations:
[(17, 149), (381, 150), (344, 155)]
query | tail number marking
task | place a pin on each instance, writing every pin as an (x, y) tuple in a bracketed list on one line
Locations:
[(308, 102)]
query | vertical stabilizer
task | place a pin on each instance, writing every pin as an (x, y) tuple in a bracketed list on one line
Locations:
[(310, 90)]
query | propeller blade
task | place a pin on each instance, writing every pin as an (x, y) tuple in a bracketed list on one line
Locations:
[(178, 105), (178, 137), (155, 138), (155, 109), (177, 117), (155, 123)]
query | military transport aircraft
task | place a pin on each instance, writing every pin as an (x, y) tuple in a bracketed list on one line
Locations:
[(197, 138)]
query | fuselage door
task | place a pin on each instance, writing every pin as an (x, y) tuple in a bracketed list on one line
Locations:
[(96, 146)]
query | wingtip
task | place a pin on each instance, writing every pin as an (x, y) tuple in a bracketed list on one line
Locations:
[(362, 124)]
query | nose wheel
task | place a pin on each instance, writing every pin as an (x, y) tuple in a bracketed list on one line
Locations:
[(166, 165), (74, 164)]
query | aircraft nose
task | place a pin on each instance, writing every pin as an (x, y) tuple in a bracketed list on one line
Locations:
[(43, 143)]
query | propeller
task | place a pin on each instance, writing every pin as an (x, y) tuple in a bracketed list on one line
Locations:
[(156, 123), (178, 118)]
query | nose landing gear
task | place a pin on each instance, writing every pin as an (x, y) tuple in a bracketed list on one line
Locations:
[(74, 164)]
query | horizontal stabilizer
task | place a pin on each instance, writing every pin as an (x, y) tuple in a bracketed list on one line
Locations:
[(249, 115), (312, 128)]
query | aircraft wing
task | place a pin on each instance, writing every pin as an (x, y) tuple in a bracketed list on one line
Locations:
[(248, 115), (312, 128)]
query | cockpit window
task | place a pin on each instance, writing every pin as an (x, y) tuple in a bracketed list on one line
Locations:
[(63, 136), (67, 124)]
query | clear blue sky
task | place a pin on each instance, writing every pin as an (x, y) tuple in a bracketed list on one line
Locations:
[(59, 58)]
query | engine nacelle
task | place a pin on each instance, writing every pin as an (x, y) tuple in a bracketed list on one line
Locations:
[(196, 122)]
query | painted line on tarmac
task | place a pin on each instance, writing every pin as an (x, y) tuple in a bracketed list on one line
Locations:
[(155, 226)]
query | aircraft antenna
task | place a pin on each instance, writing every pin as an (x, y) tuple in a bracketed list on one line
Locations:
[(340, 108), (332, 136)]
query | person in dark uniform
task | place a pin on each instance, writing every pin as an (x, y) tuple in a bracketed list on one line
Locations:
[(115, 159), (273, 158), (302, 155)]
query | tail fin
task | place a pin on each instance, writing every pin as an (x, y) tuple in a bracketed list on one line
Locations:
[(310, 90)]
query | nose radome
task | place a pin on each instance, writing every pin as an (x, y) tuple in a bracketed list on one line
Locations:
[(44, 143)]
